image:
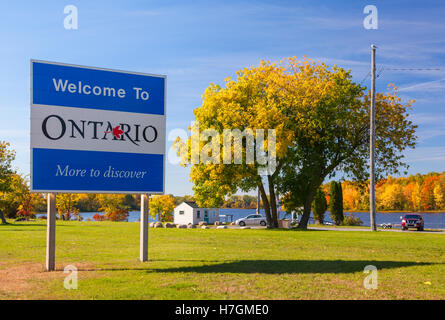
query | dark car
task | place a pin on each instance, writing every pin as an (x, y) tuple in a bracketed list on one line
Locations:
[(412, 221)]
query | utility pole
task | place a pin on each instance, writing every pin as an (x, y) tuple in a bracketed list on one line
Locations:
[(372, 145), (258, 202)]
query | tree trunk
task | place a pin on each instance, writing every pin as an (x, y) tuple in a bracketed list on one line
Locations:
[(273, 202), (266, 205), (307, 210), (2, 217)]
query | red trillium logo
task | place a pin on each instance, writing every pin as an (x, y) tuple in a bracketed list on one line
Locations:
[(117, 132)]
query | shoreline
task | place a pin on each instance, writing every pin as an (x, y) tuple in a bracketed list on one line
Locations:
[(345, 211), (396, 211)]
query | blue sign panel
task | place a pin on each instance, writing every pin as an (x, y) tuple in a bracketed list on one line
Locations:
[(69, 86), (96, 130)]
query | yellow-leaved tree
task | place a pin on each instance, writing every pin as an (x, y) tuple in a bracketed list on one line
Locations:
[(114, 206), (321, 122), (162, 206), (66, 205)]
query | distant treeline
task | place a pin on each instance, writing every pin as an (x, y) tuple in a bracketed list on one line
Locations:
[(92, 203), (413, 193)]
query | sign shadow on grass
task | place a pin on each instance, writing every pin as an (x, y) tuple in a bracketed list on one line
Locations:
[(291, 266)]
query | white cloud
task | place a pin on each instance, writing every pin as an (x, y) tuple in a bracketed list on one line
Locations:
[(428, 86), (425, 154), (428, 119), (428, 134)]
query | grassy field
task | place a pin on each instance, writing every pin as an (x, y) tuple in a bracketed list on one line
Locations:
[(219, 264)]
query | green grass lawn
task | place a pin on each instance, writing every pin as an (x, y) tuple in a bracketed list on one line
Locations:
[(219, 264)]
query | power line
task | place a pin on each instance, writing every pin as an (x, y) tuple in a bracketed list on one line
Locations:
[(405, 69), (414, 69), (366, 77), (379, 72)]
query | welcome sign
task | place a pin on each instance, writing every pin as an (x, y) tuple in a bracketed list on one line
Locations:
[(96, 130)]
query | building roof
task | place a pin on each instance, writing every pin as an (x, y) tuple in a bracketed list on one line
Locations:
[(191, 204), (194, 205)]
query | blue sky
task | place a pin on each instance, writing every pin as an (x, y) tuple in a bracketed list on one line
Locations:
[(198, 42)]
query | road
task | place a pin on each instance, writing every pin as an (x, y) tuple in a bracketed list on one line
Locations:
[(438, 231)]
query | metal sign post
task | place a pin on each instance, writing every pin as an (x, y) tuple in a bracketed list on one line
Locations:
[(51, 232), (143, 245)]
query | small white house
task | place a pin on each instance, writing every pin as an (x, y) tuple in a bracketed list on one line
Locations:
[(189, 212)]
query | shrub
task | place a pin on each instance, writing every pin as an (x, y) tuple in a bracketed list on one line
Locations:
[(351, 220), (319, 206), (98, 217), (117, 215), (24, 214), (336, 203)]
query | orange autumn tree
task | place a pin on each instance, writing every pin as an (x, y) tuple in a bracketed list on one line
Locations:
[(413, 193), (427, 201)]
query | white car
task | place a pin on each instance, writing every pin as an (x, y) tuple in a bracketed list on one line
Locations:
[(252, 220)]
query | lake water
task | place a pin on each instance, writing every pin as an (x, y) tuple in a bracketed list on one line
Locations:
[(432, 220)]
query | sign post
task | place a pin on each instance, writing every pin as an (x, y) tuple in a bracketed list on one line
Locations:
[(96, 130), (143, 246), (51, 232)]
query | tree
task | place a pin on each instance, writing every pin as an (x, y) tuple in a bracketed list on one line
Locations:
[(28, 204), (320, 117), (6, 157), (179, 199), (416, 196), (419, 192), (336, 203), (11, 200), (87, 202), (246, 104), (319, 205), (391, 197), (18, 200), (427, 198), (439, 194), (66, 205), (113, 206), (131, 202), (353, 195), (162, 206), (333, 134)]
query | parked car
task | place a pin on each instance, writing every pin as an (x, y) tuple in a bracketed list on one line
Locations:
[(412, 221), (252, 220)]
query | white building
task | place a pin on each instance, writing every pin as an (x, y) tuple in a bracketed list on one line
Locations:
[(189, 212)]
